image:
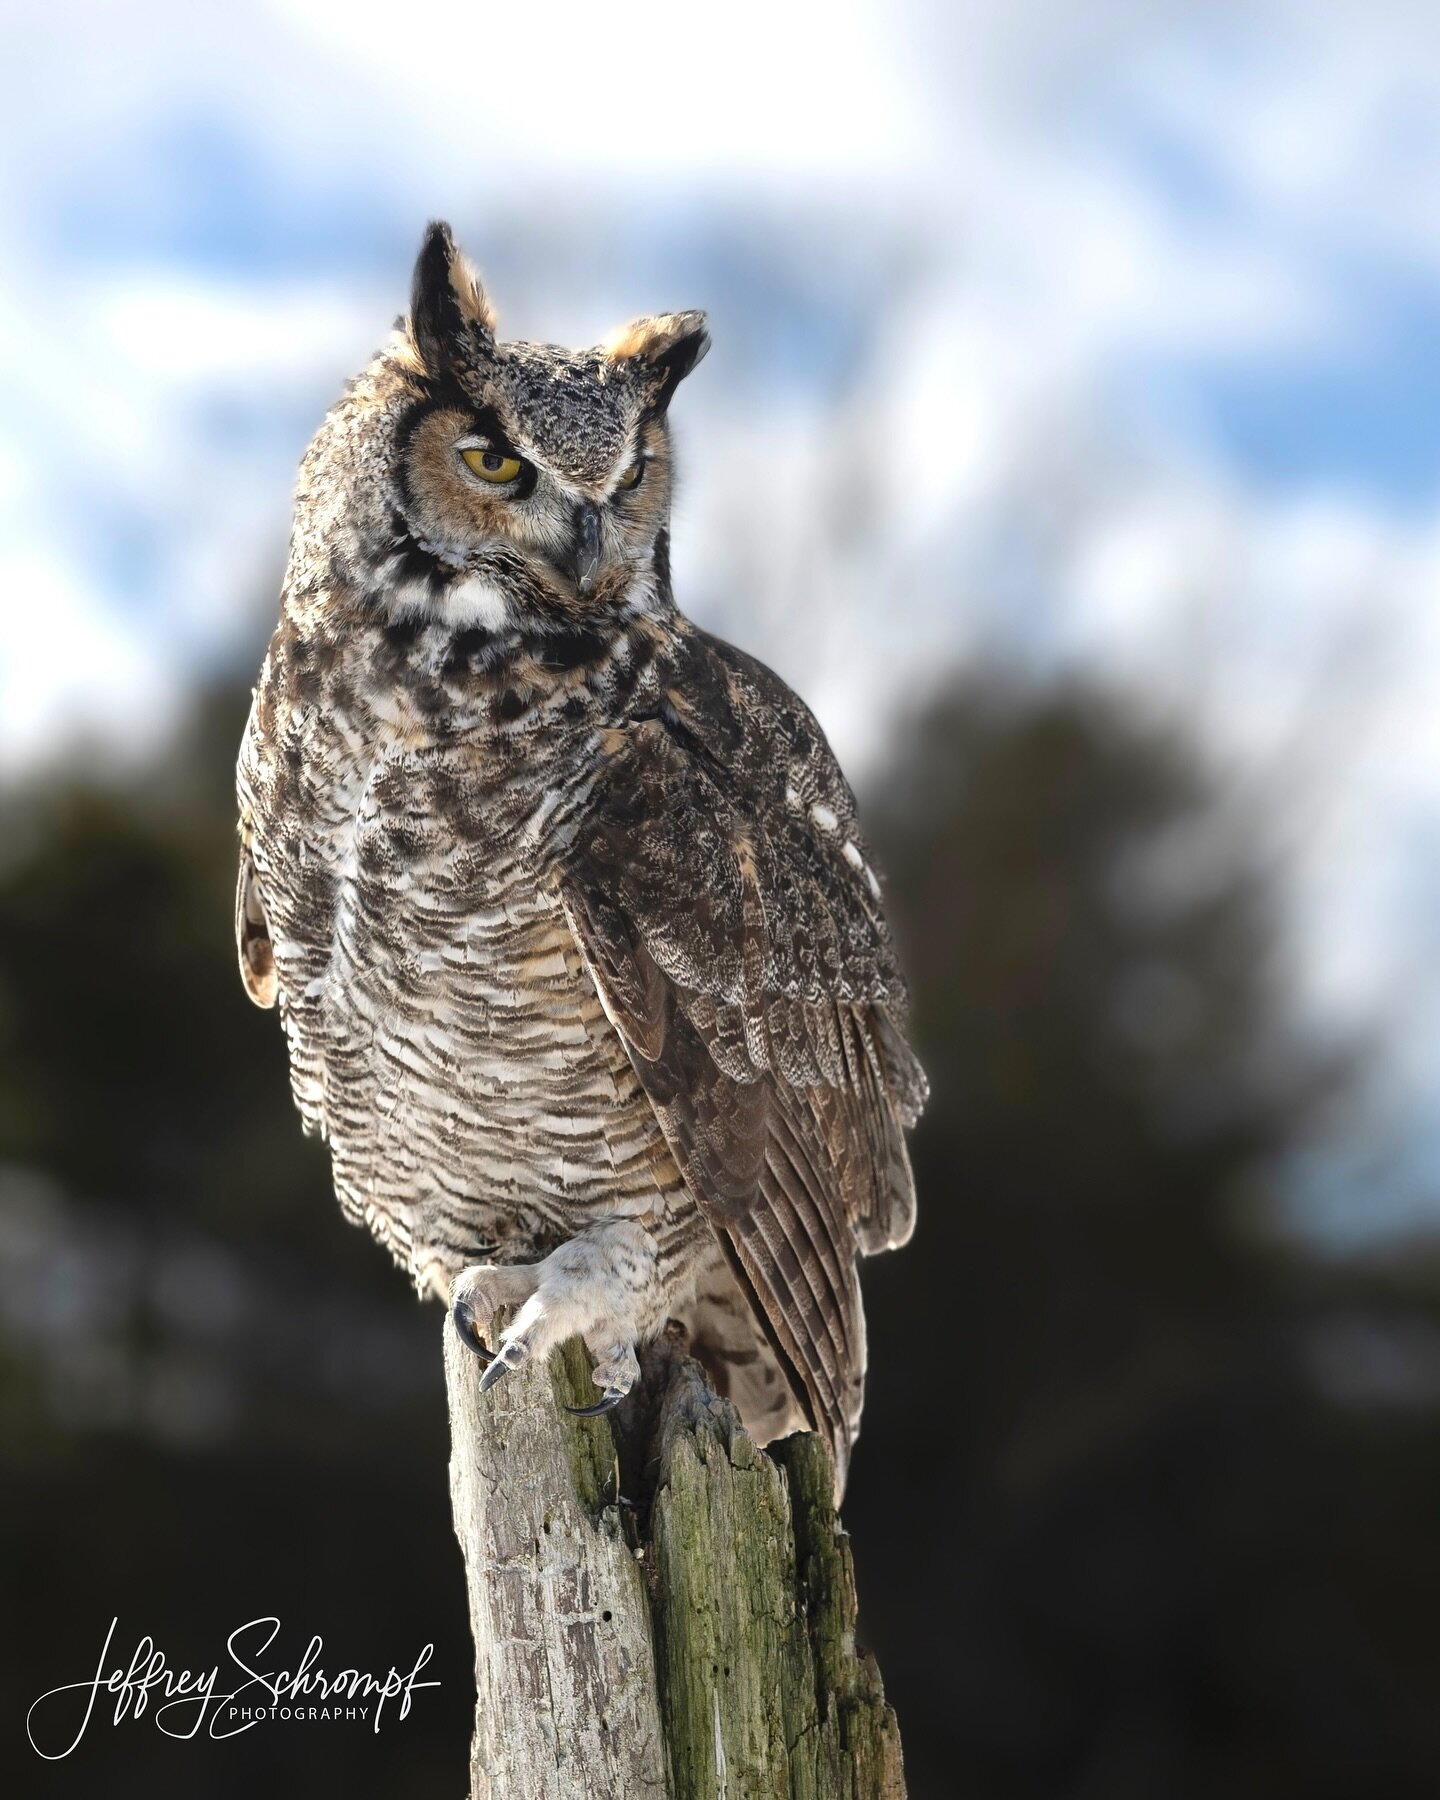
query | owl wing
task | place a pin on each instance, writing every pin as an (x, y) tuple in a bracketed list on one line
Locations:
[(720, 892)]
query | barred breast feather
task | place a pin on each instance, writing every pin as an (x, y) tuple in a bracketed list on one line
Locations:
[(444, 1036)]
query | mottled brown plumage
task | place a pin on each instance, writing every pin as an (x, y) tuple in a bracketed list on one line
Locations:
[(577, 945)]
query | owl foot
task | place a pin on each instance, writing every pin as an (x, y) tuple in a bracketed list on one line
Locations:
[(600, 1286), (617, 1373)]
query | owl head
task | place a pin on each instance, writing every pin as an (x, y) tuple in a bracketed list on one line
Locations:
[(485, 483)]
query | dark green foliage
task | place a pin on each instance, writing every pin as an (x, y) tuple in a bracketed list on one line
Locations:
[(1133, 1513), (1115, 1536)]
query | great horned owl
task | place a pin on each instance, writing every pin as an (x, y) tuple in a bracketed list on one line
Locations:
[(577, 945)]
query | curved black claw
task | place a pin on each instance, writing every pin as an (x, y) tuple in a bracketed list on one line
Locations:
[(464, 1316), (514, 1356), (610, 1398)]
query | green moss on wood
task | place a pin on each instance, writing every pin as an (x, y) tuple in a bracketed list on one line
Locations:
[(590, 1443), (762, 1690)]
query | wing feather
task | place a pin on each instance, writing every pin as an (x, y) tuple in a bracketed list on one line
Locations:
[(719, 891)]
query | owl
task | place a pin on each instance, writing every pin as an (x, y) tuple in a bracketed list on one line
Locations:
[(578, 949)]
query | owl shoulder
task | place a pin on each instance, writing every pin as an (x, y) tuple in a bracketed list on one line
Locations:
[(723, 828)]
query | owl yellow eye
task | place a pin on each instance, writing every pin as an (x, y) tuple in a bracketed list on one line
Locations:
[(490, 465), (631, 477)]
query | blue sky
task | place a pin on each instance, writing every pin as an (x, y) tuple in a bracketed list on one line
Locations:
[(1142, 307)]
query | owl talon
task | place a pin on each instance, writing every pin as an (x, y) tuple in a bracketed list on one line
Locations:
[(616, 1373), (468, 1327), (512, 1356), (611, 1398)]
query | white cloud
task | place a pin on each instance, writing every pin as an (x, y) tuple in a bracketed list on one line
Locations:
[(657, 93), (77, 672)]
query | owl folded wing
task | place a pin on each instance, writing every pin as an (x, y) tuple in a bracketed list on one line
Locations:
[(719, 891)]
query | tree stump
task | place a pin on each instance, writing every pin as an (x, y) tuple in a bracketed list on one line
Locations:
[(659, 1609)]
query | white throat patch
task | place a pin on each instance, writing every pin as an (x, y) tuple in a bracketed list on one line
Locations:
[(473, 601), (466, 602)]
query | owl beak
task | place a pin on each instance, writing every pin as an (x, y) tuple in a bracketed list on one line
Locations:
[(585, 546)]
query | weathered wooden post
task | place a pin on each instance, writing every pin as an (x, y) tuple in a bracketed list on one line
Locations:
[(659, 1608)]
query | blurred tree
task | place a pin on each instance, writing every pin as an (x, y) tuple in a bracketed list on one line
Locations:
[(1144, 1504), (1114, 1538)]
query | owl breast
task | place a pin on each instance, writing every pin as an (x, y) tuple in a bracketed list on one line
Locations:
[(445, 1035)]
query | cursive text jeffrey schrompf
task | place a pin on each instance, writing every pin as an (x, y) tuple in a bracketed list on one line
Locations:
[(182, 1702)]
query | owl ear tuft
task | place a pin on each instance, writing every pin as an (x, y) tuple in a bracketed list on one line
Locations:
[(669, 343), (448, 304)]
